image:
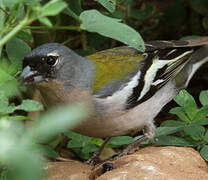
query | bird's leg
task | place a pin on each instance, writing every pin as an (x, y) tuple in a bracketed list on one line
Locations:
[(149, 134), (95, 157), (133, 147)]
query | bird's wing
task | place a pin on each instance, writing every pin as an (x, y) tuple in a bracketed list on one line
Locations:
[(158, 68), (161, 62), (113, 66), (164, 60)]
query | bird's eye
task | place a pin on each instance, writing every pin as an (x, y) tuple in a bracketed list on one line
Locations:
[(51, 60)]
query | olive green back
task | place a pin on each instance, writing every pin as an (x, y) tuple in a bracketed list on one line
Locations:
[(114, 64)]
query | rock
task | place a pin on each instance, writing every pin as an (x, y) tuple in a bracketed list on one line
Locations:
[(159, 163), (71, 170), (150, 163)]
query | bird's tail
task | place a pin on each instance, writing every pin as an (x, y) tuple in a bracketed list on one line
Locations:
[(196, 61)]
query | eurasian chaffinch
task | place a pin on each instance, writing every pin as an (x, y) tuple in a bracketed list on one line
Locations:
[(124, 89)]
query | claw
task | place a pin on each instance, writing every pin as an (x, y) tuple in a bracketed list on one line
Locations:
[(108, 167)]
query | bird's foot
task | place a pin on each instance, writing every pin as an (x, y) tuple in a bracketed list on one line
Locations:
[(94, 160), (108, 166), (130, 149)]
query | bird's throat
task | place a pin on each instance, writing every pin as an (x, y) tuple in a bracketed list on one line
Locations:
[(55, 93)]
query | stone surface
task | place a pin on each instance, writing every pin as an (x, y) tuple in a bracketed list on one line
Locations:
[(71, 170), (151, 163)]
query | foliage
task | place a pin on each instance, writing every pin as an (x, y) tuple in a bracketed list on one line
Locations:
[(190, 128), (26, 12), (85, 146), (86, 26), (20, 155)]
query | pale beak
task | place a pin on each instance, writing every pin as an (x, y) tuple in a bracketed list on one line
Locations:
[(30, 76)]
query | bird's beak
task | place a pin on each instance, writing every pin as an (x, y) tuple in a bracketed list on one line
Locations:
[(30, 76)]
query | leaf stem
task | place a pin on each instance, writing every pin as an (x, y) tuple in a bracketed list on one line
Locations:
[(53, 28), (14, 31)]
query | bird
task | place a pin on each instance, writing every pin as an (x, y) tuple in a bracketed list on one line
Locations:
[(124, 89)]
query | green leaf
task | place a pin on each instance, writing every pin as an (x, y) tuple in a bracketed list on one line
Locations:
[(53, 8), (74, 143), (78, 140), (179, 99), (203, 97), (24, 35), (30, 169), (206, 137), (71, 13), (76, 6), (19, 118), (201, 114), (203, 121), (172, 123), (94, 21), (189, 37), (121, 140), (191, 108), (171, 141), (48, 151), (81, 154), (20, 12), (90, 148), (187, 101), (9, 69), (4, 102), (182, 97), (11, 108), (196, 132), (161, 131), (204, 152), (35, 7), (2, 16), (30, 1), (10, 3), (29, 105), (110, 5), (58, 120), (97, 142), (9, 87), (45, 21), (8, 84), (16, 50), (81, 138), (4, 76), (72, 135), (179, 111)]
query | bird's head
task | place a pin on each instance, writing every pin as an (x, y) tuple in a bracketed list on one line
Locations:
[(53, 61), (44, 62)]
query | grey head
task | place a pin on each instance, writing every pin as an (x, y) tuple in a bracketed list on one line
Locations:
[(56, 61)]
